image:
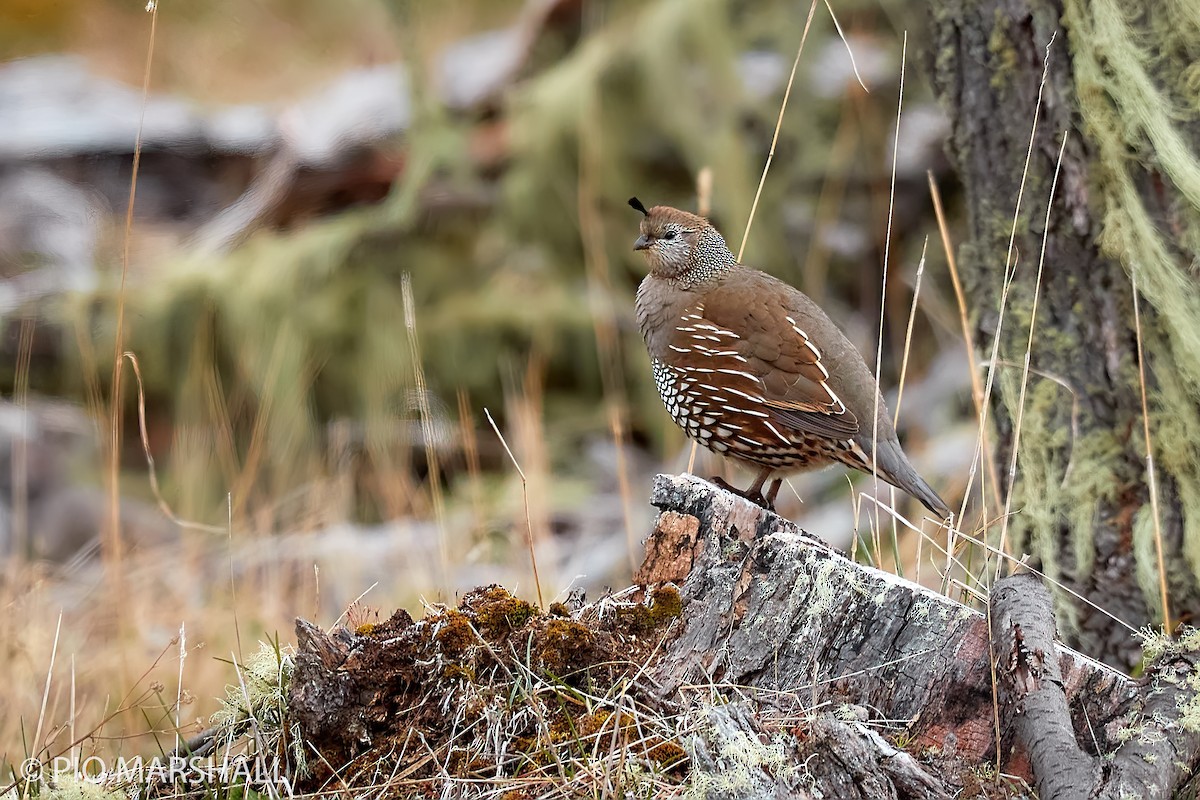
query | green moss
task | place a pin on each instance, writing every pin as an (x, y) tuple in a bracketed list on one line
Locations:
[(666, 605), (635, 620), (1004, 60), (563, 647), (1135, 80), (454, 634), (499, 613)]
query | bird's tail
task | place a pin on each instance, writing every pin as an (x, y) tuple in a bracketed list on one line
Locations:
[(896, 469)]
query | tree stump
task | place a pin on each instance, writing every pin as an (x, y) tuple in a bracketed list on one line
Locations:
[(771, 612), (777, 668)]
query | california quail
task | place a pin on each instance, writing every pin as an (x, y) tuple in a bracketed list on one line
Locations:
[(751, 368)]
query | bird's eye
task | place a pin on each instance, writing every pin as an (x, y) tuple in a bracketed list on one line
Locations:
[(669, 235)]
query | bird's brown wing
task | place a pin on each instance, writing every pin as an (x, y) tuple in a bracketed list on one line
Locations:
[(764, 361)]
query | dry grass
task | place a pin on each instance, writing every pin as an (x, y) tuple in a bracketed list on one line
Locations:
[(95, 652)]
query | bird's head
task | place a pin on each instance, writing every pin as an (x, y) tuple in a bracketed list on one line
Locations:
[(676, 243)]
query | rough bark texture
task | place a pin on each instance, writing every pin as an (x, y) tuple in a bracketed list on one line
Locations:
[(768, 608), (1123, 205), (789, 671), (771, 608), (1031, 688)]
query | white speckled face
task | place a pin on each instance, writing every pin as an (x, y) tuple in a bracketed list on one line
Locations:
[(667, 246), (682, 246)]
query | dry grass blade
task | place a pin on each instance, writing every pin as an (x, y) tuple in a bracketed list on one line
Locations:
[(179, 687), (351, 605), (427, 428), (19, 524), (37, 737), (912, 318), (787, 93), (470, 449), (704, 191), (112, 534), (1037, 287), (887, 252), (525, 494), (908, 331), (1151, 477), (849, 51), (968, 341), (151, 469)]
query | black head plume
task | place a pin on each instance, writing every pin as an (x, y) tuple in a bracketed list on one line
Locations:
[(637, 204)]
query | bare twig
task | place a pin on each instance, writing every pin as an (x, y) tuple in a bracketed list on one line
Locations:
[(525, 493), (887, 252)]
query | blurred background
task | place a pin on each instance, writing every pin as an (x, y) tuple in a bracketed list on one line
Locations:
[(363, 232)]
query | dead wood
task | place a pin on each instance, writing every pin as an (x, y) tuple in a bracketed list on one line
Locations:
[(781, 668), (771, 611), (1159, 753)]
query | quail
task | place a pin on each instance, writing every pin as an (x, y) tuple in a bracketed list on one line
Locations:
[(752, 369)]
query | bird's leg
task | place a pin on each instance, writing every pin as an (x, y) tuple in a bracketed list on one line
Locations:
[(773, 492), (754, 493), (721, 483)]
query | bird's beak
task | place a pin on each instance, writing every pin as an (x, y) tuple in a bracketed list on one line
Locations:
[(642, 243)]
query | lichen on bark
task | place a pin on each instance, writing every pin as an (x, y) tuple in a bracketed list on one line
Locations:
[(1119, 84)]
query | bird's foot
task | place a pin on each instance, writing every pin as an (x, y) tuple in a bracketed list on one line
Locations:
[(752, 494)]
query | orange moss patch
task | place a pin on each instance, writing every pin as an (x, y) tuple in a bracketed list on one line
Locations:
[(453, 632), (665, 604), (564, 646), (496, 611)]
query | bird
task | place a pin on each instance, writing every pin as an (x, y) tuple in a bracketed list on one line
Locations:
[(751, 368)]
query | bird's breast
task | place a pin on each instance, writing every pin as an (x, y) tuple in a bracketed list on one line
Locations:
[(657, 307)]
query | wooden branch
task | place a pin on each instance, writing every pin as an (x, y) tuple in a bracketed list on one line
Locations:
[(1031, 688), (1160, 755)]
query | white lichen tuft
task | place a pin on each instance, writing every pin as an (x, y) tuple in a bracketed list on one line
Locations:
[(744, 761)]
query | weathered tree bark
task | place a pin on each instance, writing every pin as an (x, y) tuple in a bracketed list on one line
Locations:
[(780, 669), (1031, 688), (1126, 207), (1161, 753), (778, 614)]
